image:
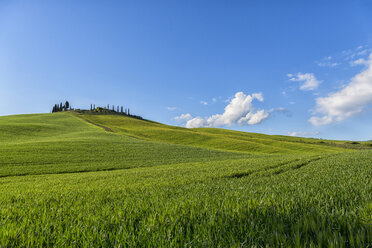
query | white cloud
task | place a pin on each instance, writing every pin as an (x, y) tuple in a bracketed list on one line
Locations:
[(204, 102), (352, 54), (349, 56), (349, 101), (214, 100), (238, 111), (183, 117), (196, 122), (309, 81), (254, 118), (171, 108), (303, 134), (328, 64), (363, 52), (359, 62)]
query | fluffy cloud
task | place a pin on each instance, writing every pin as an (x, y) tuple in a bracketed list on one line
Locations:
[(238, 111), (347, 102), (196, 122), (171, 108), (183, 117), (254, 118), (308, 80)]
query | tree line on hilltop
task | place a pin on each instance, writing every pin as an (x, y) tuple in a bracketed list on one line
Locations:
[(96, 110), (118, 109), (61, 107)]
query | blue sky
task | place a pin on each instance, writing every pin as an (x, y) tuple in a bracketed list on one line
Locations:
[(276, 67)]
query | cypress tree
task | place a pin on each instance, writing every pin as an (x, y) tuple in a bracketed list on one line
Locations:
[(67, 105)]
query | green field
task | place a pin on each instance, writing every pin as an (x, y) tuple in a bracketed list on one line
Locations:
[(82, 180)]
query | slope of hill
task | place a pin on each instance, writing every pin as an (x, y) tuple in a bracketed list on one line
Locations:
[(68, 179), (62, 142), (210, 137)]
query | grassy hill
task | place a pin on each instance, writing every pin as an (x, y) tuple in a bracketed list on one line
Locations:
[(214, 138), (72, 179)]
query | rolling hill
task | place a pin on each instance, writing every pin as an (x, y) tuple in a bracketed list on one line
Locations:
[(72, 179)]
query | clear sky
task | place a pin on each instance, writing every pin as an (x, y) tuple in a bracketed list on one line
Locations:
[(277, 67)]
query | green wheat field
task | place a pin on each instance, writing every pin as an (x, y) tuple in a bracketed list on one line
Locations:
[(82, 180)]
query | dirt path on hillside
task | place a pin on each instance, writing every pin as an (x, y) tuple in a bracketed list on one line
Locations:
[(98, 125)]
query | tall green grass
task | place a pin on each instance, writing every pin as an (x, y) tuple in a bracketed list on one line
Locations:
[(175, 194)]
